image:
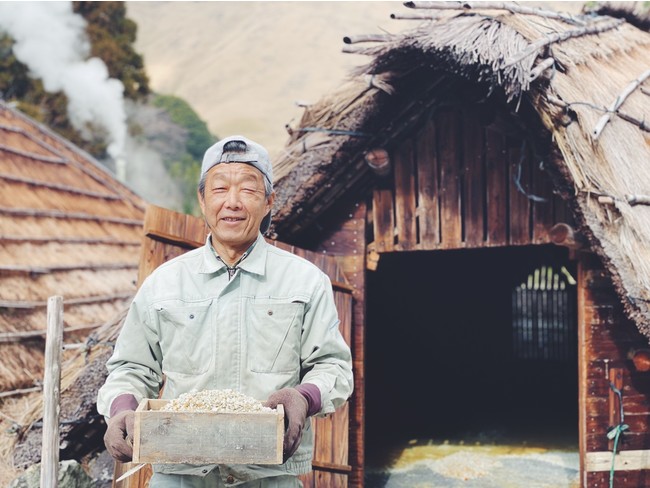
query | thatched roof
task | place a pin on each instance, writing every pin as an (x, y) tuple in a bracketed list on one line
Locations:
[(69, 228), (559, 75)]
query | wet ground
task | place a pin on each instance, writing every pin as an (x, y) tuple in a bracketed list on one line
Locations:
[(444, 464)]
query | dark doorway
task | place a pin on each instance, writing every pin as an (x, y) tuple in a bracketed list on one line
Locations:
[(448, 343)]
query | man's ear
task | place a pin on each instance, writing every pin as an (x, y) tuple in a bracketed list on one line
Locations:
[(201, 201), (269, 202)]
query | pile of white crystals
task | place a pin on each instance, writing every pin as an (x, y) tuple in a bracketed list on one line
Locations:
[(218, 401)]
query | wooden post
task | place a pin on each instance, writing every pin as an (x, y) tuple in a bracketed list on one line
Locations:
[(51, 393)]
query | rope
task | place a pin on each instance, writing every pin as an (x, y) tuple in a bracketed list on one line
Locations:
[(615, 432), (517, 178), (335, 132)]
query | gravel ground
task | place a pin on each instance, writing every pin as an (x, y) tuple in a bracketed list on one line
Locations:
[(452, 466)]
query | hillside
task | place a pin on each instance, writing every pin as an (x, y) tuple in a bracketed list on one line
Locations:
[(244, 65)]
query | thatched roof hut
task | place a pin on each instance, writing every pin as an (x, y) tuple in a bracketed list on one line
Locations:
[(503, 123), (579, 78), (68, 228)]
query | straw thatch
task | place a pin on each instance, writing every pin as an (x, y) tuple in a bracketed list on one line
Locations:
[(558, 76), (68, 228)]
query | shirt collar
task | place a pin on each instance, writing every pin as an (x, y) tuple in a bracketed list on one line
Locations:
[(253, 261)]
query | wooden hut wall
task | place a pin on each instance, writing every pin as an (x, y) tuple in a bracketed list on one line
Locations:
[(342, 234), (607, 339), (460, 184)]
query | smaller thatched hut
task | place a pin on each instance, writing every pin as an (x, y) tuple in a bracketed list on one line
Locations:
[(68, 228)]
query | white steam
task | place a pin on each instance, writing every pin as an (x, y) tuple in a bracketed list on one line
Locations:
[(51, 41)]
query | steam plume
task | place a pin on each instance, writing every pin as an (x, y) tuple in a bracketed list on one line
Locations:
[(51, 41)]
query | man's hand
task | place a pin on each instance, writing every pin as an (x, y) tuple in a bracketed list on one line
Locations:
[(295, 414), (119, 436), (119, 431)]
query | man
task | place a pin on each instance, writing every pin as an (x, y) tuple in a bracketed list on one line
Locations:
[(236, 313)]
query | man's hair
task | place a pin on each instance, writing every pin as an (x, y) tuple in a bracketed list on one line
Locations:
[(235, 147)]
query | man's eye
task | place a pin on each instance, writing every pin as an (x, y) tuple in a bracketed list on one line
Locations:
[(219, 189)]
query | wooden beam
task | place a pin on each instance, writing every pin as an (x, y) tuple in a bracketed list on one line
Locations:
[(13, 239), (331, 468), (383, 220), (366, 38), (34, 334), (509, 6), (625, 460), (564, 235), (173, 228), (405, 203), (616, 104), (59, 187), (20, 391), (68, 301), (31, 155), (339, 285), (378, 161), (57, 214), (70, 267)]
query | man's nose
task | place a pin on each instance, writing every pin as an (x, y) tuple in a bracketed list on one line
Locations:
[(232, 198)]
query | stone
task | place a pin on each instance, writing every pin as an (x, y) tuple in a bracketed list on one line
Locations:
[(71, 475)]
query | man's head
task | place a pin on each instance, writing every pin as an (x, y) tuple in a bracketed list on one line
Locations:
[(239, 149)]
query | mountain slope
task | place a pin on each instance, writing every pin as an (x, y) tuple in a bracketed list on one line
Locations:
[(243, 65)]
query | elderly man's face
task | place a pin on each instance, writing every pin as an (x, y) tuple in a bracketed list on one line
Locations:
[(234, 204)]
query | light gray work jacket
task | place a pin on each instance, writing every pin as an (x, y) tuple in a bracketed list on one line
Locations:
[(272, 325)]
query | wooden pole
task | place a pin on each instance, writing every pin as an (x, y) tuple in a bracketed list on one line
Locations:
[(51, 393)]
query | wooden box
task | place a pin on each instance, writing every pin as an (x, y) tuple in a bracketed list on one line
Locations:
[(206, 437)]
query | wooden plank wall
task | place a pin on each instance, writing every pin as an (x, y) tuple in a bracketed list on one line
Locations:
[(606, 337), (331, 445), (346, 239), (457, 184)]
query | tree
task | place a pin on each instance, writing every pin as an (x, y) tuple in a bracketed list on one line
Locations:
[(112, 36), (186, 166)]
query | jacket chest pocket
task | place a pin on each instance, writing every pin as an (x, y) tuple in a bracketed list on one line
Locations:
[(186, 337), (273, 335)]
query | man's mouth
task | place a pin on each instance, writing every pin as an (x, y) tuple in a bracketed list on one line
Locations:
[(232, 219)]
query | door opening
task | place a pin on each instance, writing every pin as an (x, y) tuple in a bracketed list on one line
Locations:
[(463, 346)]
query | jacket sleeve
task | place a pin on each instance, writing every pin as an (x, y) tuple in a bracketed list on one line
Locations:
[(326, 360), (135, 366)]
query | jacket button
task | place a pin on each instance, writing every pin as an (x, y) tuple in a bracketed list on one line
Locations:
[(230, 479)]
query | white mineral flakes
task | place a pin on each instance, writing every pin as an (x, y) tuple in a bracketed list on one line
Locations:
[(217, 401)]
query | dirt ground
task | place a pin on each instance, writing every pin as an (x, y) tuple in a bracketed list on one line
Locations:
[(430, 464)]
